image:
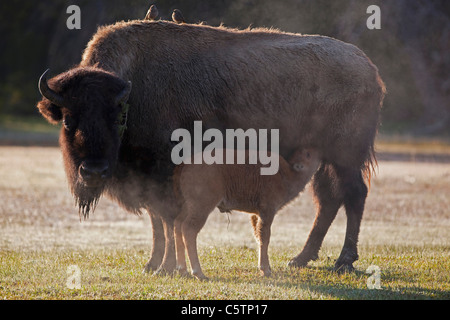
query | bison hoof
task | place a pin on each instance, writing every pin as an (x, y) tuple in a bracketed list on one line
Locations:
[(152, 264), (345, 261), (200, 276), (160, 272), (149, 267), (302, 259), (297, 263), (182, 271), (163, 271), (344, 268), (265, 273)]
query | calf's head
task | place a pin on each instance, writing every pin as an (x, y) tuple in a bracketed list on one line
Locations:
[(90, 104), (305, 160)]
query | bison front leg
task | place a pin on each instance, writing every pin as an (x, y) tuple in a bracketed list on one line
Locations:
[(180, 246), (169, 260), (158, 244)]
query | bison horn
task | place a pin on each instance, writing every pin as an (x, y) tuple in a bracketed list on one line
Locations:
[(48, 93), (123, 95)]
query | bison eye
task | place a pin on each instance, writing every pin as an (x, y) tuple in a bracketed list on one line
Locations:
[(69, 123)]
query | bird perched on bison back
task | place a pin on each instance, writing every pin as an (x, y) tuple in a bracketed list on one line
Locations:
[(177, 16), (152, 13)]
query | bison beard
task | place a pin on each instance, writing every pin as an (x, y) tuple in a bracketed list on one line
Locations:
[(86, 199)]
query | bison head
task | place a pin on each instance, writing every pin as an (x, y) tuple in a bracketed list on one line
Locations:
[(89, 102)]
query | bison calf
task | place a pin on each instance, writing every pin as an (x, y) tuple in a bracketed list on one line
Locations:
[(202, 187)]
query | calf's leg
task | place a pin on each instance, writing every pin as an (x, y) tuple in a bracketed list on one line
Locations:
[(261, 228), (194, 222)]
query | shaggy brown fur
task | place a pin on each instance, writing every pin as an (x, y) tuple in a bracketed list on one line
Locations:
[(89, 136), (220, 75), (317, 91), (202, 187)]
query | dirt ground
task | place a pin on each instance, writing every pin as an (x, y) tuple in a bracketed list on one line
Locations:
[(408, 205)]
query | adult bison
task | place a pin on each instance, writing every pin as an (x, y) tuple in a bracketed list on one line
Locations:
[(319, 92)]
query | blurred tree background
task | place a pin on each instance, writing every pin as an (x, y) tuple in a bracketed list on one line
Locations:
[(411, 50)]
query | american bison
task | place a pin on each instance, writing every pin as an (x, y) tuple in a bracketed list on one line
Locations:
[(319, 92), (202, 187)]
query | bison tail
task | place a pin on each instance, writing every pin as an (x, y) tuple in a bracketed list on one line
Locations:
[(370, 166)]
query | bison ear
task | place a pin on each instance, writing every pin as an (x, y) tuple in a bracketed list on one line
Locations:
[(49, 111), (50, 105)]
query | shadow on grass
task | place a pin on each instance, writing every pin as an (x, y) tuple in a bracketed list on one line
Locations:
[(394, 285), (385, 293), (325, 282)]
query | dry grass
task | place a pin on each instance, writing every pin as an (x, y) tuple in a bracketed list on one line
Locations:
[(405, 232)]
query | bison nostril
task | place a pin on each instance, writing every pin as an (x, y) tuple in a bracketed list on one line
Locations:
[(84, 172), (104, 172), (93, 170)]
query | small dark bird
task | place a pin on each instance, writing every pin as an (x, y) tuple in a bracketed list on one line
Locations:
[(152, 13), (177, 16)]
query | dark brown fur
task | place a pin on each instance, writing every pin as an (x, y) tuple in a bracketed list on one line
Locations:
[(317, 91), (89, 130)]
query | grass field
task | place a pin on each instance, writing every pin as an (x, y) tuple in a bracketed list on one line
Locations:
[(405, 232)]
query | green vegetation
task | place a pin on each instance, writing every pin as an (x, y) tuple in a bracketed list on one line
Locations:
[(27, 124), (406, 273)]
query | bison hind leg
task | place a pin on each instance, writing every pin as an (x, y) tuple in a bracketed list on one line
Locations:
[(328, 198), (354, 202), (335, 186)]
